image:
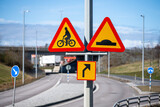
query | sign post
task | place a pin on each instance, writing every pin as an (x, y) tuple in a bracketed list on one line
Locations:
[(68, 67), (88, 84), (150, 71), (14, 73)]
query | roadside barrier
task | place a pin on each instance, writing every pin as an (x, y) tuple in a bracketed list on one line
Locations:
[(138, 101)]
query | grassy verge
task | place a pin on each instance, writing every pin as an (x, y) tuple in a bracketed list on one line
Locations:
[(6, 81), (47, 67), (136, 69), (153, 89)]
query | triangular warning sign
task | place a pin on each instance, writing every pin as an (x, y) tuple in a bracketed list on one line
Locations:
[(106, 38), (66, 39)]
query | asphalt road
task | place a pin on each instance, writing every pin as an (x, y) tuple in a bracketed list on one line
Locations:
[(109, 92), (29, 90)]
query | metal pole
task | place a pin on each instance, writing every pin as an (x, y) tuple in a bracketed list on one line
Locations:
[(135, 78), (143, 52), (88, 85), (13, 102), (88, 91), (99, 63), (108, 64), (36, 57), (150, 83), (23, 46), (68, 76)]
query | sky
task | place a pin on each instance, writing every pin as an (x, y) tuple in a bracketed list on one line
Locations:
[(47, 15)]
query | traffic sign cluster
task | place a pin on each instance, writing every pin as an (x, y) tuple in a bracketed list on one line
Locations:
[(105, 39)]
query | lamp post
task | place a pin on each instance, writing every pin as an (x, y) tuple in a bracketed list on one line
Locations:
[(143, 51), (26, 11), (36, 57)]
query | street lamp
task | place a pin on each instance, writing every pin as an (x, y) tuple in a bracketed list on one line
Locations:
[(143, 52), (26, 11), (36, 57)]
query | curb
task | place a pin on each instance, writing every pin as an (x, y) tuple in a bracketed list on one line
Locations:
[(138, 90)]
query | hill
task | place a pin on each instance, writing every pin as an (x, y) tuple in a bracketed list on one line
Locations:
[(6, 81), (135, 68)]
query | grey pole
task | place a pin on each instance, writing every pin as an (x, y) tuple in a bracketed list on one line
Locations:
[(23, 44), (143, 52), (88, 85), (108, 64), (99, 63), (36, 56), (14, 89)]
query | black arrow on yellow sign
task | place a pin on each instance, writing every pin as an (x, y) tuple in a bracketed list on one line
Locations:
[(87, 67)]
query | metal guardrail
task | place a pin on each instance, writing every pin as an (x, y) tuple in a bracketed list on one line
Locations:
[(138, 101)]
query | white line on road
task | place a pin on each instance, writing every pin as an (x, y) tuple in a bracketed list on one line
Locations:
[(77, 99)]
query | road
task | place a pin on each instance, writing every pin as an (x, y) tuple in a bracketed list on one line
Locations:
[(29, 90), (109, 91)]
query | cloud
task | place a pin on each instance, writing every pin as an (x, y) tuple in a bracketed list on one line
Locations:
[(11, 34), (137, 43), (78, 24), (132, 43), (50, 23), (3, 21), (127, 30)]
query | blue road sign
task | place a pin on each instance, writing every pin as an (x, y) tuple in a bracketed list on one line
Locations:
[(150, 70), (15, 71)]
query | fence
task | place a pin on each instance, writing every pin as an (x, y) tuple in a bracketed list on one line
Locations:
[(138, 101)]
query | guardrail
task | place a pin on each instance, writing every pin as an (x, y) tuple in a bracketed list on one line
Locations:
[(138, 101)]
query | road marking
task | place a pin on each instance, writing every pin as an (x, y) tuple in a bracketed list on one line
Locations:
[(77, 99)]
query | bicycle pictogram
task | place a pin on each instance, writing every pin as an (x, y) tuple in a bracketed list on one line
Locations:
[(66, 40)]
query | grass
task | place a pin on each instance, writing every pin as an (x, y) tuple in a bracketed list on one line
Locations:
[(153, 89), (47, 67), (6, 81), (136, 69)]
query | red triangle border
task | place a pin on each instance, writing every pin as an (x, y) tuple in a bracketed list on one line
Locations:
[(81, 48), (122, 49)]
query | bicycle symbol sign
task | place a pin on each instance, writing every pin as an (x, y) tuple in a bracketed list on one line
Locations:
[(66, 39)]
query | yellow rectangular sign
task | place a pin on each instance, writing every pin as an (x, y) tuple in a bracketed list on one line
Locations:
[(86, 70)]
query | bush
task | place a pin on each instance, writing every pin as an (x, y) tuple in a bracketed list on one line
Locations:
[(12, 58)]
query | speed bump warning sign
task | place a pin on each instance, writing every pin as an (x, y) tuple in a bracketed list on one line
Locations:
[(106, 38)]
